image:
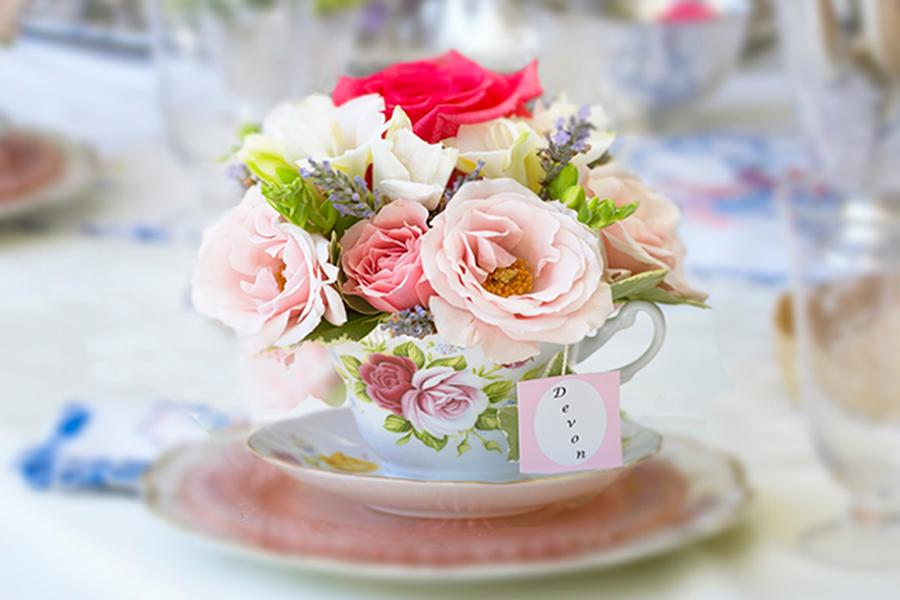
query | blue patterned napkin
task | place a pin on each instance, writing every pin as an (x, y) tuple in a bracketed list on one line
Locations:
[(108, 446)]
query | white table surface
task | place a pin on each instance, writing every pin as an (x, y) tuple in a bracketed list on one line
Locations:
[(88, 314)]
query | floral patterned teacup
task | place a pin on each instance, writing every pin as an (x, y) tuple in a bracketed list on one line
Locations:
[(429, 410)]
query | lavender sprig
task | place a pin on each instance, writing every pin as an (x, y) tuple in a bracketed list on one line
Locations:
[(413, 322), (351, 197), (473, 175), (570, 137)]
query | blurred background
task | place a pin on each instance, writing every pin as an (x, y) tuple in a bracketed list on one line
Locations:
[(775, 129)]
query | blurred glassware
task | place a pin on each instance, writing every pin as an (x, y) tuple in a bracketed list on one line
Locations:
[(641, 62), (223, 63), (494, 33), (846, 252), (844, 61)]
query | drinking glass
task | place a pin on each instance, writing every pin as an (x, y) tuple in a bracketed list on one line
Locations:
[(846, 258)]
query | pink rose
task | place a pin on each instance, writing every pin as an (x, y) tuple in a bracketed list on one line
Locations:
[(648, 239), (381, 257), (441, 402), (387, 379), (267, 279), (510, 271), (444, 92), (276, 382)]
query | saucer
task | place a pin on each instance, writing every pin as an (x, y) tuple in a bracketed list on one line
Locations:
[(325, 450), (219, 493), (78, 172)]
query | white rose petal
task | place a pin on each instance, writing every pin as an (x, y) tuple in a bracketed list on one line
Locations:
[(406, 166), (507, 147)]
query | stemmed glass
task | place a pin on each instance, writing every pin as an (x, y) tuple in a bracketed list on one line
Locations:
[(844, 229), (846, 256)]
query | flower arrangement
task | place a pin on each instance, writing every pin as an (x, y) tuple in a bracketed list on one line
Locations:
[(435, 197)]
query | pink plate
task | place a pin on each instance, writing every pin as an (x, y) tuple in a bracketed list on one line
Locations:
[(222, 492)]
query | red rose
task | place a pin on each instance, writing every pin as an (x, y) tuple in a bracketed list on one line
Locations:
[(443, 93), (387, 379)]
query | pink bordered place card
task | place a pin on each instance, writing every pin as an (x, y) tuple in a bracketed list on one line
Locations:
[(569, 423)]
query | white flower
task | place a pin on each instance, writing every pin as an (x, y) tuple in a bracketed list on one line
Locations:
[(405, 166), (544, 122), (314, 128), (507, 147)]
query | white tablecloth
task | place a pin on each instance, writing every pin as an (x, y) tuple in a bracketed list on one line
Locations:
[(94, 304)]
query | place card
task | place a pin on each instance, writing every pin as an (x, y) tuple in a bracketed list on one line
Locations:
[(569, 423)]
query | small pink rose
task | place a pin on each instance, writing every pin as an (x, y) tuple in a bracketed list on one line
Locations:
[(267, 279), (381, 257), (648, 239), (387, 379), (442, 402)]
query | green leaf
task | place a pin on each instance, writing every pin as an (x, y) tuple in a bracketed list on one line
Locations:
[(354, 329), (402, 440), (463, 447), (456, 362), (299, 203), (533, 373), (499, 390), (492, 446), (567, 178), (632, 287), (351, 364), (573, 197), (397, 424), (557, 366), (411, 351), (662, 296), (487, 420), (360, 391), (508, 417), (429, 440)]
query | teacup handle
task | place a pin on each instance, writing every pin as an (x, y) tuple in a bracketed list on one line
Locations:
[(623, 320)]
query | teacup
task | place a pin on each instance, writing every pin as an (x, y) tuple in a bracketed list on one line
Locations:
[(428, 409)]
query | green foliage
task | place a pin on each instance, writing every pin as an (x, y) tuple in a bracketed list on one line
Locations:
[(508, 418), (456, 362), (463, 446), (429, 440), (499, 390), (661, 296), (533, 373), (354, 329), (397, 424), (492, 446), (558, 365), (360, 391), (351, 365), (411, 351), (487, 421), (645, 286), (300, 204), (593, 212), (632, 287)]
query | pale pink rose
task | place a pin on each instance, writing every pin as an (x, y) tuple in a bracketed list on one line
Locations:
[(648, 239), (490, 224), (276, 382), (265, 278), (442, 402), (381, 257)]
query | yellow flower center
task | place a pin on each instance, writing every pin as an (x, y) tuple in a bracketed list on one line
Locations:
[(280, 279), (514, 280)]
